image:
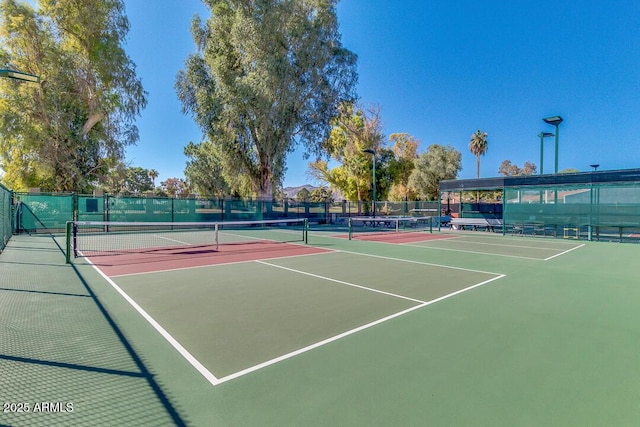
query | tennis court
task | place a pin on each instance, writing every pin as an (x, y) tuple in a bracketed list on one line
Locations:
[(290, 325)]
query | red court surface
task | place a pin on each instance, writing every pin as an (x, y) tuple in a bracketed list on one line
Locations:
[(404, 237), (177, 258)]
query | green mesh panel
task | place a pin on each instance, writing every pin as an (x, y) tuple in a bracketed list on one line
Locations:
[(5, 217), (43, 212), (610, 211)]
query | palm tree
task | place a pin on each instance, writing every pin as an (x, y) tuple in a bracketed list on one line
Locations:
[(478, 146), (153, 174)]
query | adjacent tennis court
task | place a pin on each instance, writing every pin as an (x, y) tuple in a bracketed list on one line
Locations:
[(279, 323)]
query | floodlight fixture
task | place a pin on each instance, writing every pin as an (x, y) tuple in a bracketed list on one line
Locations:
[(595, 167), (554, 120), (19, 75)]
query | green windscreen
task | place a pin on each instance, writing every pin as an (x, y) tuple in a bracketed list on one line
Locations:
[(588, 211), (5, 217), (43, 212)]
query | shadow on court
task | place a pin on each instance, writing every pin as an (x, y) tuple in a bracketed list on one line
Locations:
[(63, 358)]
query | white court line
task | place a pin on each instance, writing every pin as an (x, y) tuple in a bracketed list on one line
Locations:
[(442, 249), (325, 251), (562, 253), (329, 279), (421, 262), (174, 343), (470, 252), (474, 242), (172, 240), (349, 332), (496, 236)]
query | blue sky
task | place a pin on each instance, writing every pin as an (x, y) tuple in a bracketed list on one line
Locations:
[(439, 71)]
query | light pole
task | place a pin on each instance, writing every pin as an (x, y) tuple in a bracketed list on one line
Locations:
[(554, 121), (595, 167), (373, 182), (542, 136)]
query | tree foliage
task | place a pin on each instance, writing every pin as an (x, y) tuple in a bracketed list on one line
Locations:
[(431, 167), (478, 146), (303, 195), (320, 195), (405, 149), (175, 188), (138, 180), (66, 133), (509, 169), (267, 74), (123, 179), (354, 130), (204, 170), (153, 174)]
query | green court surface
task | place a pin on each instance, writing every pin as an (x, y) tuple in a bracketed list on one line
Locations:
[(443, 329)]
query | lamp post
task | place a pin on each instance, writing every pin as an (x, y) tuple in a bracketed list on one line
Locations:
[(595, 167), (554, 121), (542, 136), (373, 182)]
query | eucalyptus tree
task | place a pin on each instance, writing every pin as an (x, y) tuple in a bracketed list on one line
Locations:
[(204, 170), (64, 133), (431, 167), (267, 75)]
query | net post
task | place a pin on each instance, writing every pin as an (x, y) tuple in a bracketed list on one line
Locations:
[(69, 228), (397, 225), (431, 224), (215, 232), (306, 231), (350, 226)]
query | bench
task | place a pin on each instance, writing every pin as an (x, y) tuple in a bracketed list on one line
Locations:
[(488, 224)]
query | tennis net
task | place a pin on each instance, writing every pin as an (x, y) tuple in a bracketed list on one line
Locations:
[(387, 226), (94, 238)]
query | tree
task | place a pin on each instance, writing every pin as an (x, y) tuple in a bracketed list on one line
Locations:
[(204, 171), (175, 188), (320, 195), (138, 180), (431, 167), (303, 195), (405, 148), (529, 168), (509, 169), (153, 174), (478, 146), (267, 74), (65, 133), (126, 179), (354, 130)]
